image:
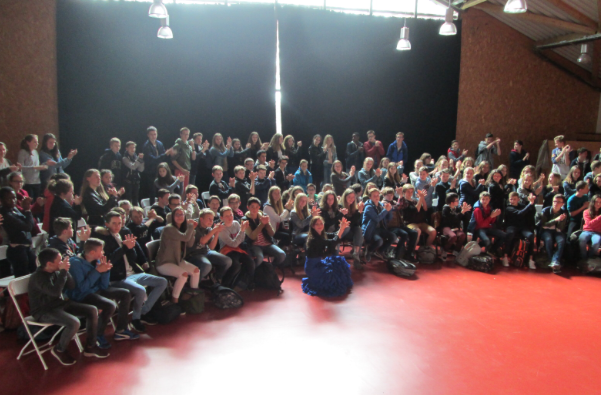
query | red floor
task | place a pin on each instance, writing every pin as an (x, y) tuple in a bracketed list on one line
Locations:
[(449, 331)]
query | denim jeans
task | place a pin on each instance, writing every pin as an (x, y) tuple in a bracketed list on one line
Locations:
[(382, 239), (594, 238), (21, 259), (206, 263), (67, 317), (327, 173), (405, 236), (353, 234), (135, 284), (271, 250), (485, 234), (103, 300), (301, 240), (551, 237), (513, 233)]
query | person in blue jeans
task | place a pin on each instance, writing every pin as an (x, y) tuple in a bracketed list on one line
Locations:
[(481, 226), (261, 233), (554, 224), (577, 204), (377, 236), (591, 231)]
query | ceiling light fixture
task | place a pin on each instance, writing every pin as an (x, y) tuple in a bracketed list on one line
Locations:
[(404, 44), (158, 10), (165, 31), (448, 28), (515, 6), (584, 57)]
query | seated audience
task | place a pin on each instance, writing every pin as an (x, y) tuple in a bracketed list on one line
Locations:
[(519, 223), (554, 224), (260, 233)]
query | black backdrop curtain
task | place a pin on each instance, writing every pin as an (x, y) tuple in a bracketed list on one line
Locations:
[(115, 77), (341, 73)]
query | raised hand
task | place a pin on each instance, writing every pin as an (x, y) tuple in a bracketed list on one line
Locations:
[(272, 163), (360, 206), (531, 198), (103, 265), (112, 191), (555, 188), (181, 178), (152, 214), (248, 145), (465, 152), (527, 156), (84, 233), (404, 178), (271, 175), (64, 265), (170, 152), (378, 172), (265, 146), (243, 226), (352, 172), (40, 201), (289, 204), (562, 217), (26, 204), (77, 200), (387, 206), (482, 181), (512, 181), (72, 153), (1, 219), (140, 156), (205, 146), (192, 223), (252, 176), (344, 211), (434, 181), (465, 208), (14, 168), (232, 182), (400, 163), (495, 213), (130, 241), (50, 162), (264, 219), (121, 191), (290, 177), (344, 223), (315, 211), (299, 143)]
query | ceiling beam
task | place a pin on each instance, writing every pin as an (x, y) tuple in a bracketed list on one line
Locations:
[(569, 66), (543, 20), (471, 3), (446, 4), (574, 13), (568, 39)]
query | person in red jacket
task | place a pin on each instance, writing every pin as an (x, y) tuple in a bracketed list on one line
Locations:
[(591, 231), (373, 148), (481, 225)]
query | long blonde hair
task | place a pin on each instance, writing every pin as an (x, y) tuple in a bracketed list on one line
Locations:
[(397, 178), (277, 206), (304, 212), (273, 144), (220, 147), (353, 207), (86, 184), (325, 139)]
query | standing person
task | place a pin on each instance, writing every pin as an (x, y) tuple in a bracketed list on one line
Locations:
[(303, 177), (582, 161), (316, 155), (90, 272), (261, 233), (329, 157), (262, 183), (393, 179), (328, 274), (242, 187), (577, 203), (18, 225), (119, 248), (293, 154), (554, 224), (341, 180), (455, 153), (198, 172), (427, 184), (134, 165), (518, 159), (560, 156), (96, 200), (239, 156), (50, 153), (368, 174), (283, 178), (275, 150), (255, 145), (487, 148), (183, 155), (373, 148), (354, 152), (64, 204), (398, 151), (154, 153), (220, 151), (112, 160), (570, 181), (496, 190), (45, 291), (172, 250), (220, 187), (519, 222), (29, 160), (445, 187), (6, 167)]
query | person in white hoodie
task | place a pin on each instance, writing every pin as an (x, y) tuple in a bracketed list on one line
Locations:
[(230, 240), (278, 214)]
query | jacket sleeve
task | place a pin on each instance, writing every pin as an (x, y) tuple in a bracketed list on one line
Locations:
[(48, 288), (84, 282), (595, 222), (568, 189), (12, 221)]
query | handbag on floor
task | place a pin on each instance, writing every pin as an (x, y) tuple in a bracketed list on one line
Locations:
[(471, 249), (226, 298), (266, 277), (518, 256), (193, 305), (482, 263), (426, 255), (590, 265), (400, 267), (165, 314)]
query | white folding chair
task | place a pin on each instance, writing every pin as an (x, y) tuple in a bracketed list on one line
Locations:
[(3, 252), (205, 197), (145, 202), (18, 287), (146, 210)]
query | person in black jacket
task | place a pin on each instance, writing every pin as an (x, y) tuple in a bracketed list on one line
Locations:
[(63, 238), (219, 187), (354, 153), (64, 205), (112, 160), (553, 188), (18, 226), (243, 188), (519, 220), (45, 290), (444, 187), (239, 156), (126, 273), (294, 154), (452, 223), (316, 155), (496, 190), (154, 153), (96, 201), (282, 177), (518, 159)]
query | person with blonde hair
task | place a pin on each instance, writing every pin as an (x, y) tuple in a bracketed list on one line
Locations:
[(300, 217), (95, 199), (276, 148), (329, 157), (368, 174)]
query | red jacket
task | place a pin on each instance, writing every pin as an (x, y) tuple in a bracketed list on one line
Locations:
[(592, 225), (376, 152), (482, 217)]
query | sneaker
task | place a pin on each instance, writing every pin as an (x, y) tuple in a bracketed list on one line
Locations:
[(379, 255), (125, 335), (443, 255), (138, 326), (95, 352), (456, 253), (556, 267), (390, 253), (505, 261), (357, 261), (192, 291), (368, 256), (148, 320), (531, 264), (102, 343), (63, 357)]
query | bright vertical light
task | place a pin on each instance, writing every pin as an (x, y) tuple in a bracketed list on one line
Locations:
[(278, 87)]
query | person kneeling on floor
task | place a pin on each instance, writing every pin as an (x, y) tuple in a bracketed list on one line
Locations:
[(45, 288)]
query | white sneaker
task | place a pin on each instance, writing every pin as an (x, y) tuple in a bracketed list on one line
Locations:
[(505, 261), (556, 267), (531, 264), (443, 255)]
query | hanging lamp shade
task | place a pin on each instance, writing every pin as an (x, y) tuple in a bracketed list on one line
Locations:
[(158, 10), (448, 28), (404, 44), (515, 6), (584, 57)]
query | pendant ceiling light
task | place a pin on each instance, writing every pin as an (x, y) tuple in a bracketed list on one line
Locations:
[(165, 30), (448, 28), (584, 57), (158, 10), (404, 44), (515, 6)]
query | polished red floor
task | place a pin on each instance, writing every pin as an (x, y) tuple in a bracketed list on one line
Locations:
[(448, 331)]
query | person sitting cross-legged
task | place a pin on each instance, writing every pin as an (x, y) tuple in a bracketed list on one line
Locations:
[(45, 289), (126, 273)]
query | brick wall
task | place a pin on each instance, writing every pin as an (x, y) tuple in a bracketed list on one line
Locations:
[(507, 90)]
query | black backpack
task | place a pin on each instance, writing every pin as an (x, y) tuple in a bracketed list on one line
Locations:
[(226, 298), (481, 263), (266, 277), (520, 249), (400, 267), (165, 314)]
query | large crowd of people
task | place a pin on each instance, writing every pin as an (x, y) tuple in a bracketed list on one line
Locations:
[(221, 209)]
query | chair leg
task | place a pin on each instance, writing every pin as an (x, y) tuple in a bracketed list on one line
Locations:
[(35, 345)]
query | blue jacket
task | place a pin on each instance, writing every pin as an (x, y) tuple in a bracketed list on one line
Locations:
[(61, 163), (262, 188), (87, 279), (371, 218), (302, 180), (396, 155), (153, 156), (468, 193)]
